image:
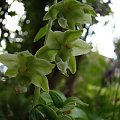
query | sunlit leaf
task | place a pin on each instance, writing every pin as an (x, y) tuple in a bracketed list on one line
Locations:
[(41, 33)]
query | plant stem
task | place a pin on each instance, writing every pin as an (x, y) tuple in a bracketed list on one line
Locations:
[(49, 25)]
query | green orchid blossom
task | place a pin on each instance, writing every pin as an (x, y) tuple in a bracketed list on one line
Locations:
[(27, 69)]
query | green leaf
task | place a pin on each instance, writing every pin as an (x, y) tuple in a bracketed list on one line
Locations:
[(57, 100), (40, 81), (52, 13), (36, 115), (66, 108), (74, 101), (46, 54), (41, 100), (72, 64), (47, 111), (77, 114), (46, 97), (41, 33), (80, 47), (64, 117)]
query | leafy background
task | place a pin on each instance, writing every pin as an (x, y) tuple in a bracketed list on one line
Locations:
[(96, 81)]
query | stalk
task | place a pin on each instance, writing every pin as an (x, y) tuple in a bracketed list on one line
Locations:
[(37, 89)]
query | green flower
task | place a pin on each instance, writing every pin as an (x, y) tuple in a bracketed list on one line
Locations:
[(27, 69)]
